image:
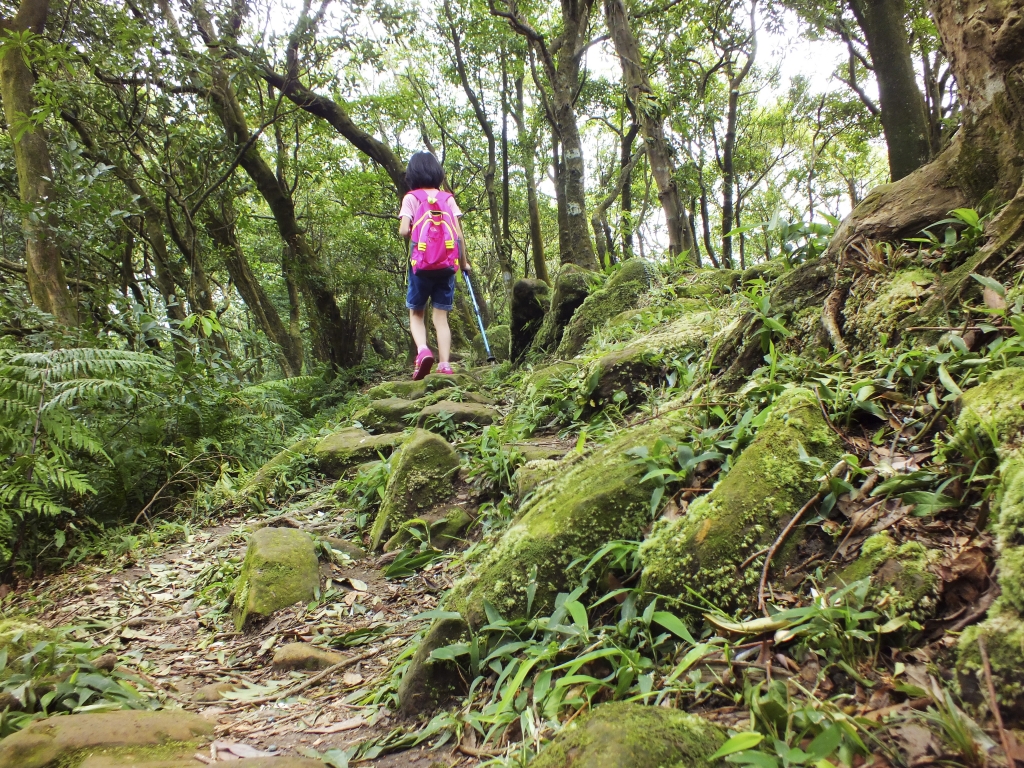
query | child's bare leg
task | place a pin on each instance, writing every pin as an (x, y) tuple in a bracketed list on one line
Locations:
[(444, 334), (418, 327)]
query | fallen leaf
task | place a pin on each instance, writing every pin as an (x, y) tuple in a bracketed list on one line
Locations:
[(345, 725), (352, 678), (359, 586)]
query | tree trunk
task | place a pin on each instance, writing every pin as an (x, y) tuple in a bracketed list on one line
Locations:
[(981, 165), (47, 283), (221, 227), (729, 173), (528, 148), (659, 152), (625, 154), (490, 171), (331, 331), (904, 120)]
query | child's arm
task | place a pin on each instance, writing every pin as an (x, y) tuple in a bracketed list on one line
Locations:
[(404, 226), (463, 258)]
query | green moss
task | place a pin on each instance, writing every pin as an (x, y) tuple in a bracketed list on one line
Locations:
[(388, 414), (572, 285), (532, 474), (629, 735), (597, 499), (1003, 634), (337, 453), (878, 306), (414, 390), (280, 569), (994, 410), (459, 413), (901, 576), (500, 339), (422, 473), (622, 292), (746, 510), (709, 283), (766, 270), (441, 528), (1010, 531)]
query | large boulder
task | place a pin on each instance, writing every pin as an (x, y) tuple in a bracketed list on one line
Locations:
[(62, 741), (629, 735), (901, 574), (597, 499), (414, 390), (388, 414), (744, 513), (429, 682), (280, 569), (623, 291), (422, 476), (458, 413), (347, 448), (572, 286), (531, 300), (499, 341)]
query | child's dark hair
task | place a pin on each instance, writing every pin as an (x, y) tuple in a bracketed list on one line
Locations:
[(424, 172)]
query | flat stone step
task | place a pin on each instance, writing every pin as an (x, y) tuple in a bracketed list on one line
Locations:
[(461, 413)]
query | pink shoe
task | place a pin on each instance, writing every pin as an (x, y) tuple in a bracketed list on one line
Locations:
[(445, 369), (424, 362)]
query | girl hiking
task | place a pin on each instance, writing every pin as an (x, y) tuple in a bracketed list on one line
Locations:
[(429, 218)]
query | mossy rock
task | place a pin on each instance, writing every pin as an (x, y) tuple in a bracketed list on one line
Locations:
[(263, 480), (347, 448), (531, 300), (422, 475), (1009, 530), (541, 380), (630, 735), (597, 499), (709, 283), (532, 474), (458, 413), (414, 390), (429, 683), (879, 305), (572, 286), (1003, 635), (745, 511), (184, 758), (994, 411), (19, 634), (646, 358), (280, 569), (499, 338), (767, 270), (346, 547), (388, 414), (900, 574), (57, 742), (623, 291), (532, 450), (303, 656), (214, 692), (441, 528)]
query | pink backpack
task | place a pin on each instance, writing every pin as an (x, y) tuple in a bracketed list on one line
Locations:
[(433, 237)]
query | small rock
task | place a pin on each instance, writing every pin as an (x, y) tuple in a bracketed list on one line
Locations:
[(208, 694), (338, 453), (106, 662), (354, 551), (388, 414), (461, 413), (303, 656), (280, 569)]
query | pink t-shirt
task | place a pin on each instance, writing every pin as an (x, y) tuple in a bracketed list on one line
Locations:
[(410, 204)]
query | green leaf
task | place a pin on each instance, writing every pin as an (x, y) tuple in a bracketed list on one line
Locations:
[(674, 625), (947, 382), (988, 282), (450, 652), (738, 743), (760, 759), (579, 614), (825, 743), (929, 502)]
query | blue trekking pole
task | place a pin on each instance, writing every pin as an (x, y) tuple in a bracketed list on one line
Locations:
[(479, 320)]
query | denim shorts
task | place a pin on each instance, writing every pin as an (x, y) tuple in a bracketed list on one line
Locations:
[(438, 285)]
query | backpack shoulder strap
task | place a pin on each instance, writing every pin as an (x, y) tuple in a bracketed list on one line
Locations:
[(419, 194)]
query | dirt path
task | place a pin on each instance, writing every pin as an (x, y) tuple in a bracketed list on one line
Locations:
[(163, 612)]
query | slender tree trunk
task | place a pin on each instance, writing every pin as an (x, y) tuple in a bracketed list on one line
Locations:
[(221, 227), (729, 173), (528, 148), (47, 283), (560, 203), (598, 219), (490, 171), (659, 152), (625, 154), (331, 331), (904, 120), (506, 236)]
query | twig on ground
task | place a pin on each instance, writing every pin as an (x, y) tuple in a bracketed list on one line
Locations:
[(834, 472), (292, 690), (996, 714)]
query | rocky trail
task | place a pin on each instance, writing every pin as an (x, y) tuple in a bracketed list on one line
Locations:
[(287, 678)]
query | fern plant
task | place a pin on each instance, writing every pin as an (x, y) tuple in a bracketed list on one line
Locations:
[(45, 434)]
